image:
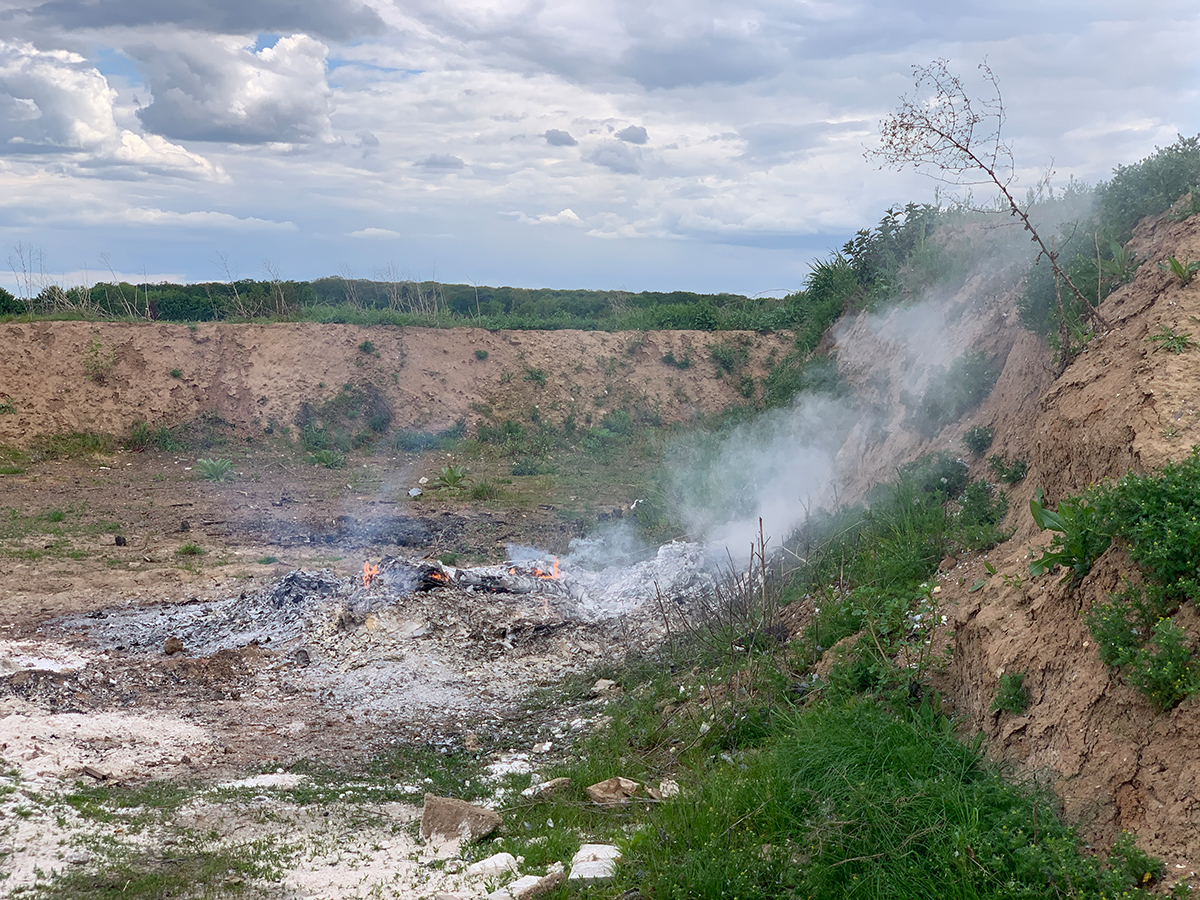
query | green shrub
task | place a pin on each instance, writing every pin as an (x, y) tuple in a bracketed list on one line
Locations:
[(213, 469), (978, 439), (953, 392), (729, 357), (481, 355), (1122, 624), (1165, 669), (1149, 187), (1011, 694), (190, 549), (176, 373), (684, 363), (368, 347), (1158, 516), (537, 376), (1010, 471)]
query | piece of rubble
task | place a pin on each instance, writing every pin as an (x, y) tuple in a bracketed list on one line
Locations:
[(493, 866), (445, 818), (667, 788), (529, 886), (602, 685), (172, 646), (594, 862), (547, 788), (613, 791), (415, 492)]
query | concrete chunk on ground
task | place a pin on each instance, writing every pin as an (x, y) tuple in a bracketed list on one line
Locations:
[(447, 819), (492, 866), (594, 862)]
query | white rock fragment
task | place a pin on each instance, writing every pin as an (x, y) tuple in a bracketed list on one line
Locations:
[(594, 862), (492, 866)]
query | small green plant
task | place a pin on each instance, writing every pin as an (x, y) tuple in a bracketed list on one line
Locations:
[(190, 549), (98, 361), (1165, 670), (481, 355), (1010, 471), (537, 376), (1184, 270), (1170, 339), (671, 360), (368, 347), (176, 373), (451, 477), (213, 469), (7, 408), (486, 490), (1078, 541), (1123, 265), (1011, 694), (267, 560), (978, 439), (329, 459)]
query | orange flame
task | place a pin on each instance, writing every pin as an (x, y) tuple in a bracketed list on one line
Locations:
[(369, 572), (553, 573)]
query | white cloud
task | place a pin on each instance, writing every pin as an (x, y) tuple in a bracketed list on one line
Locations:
[(216, 88), (54, 102), (376, 234)]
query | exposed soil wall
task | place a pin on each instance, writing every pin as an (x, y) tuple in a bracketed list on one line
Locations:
[(253, 375)]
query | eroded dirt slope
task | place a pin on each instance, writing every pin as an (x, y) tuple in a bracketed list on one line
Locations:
[(256, 375)]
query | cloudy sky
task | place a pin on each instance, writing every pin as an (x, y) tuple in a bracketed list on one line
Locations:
[(628, 144)]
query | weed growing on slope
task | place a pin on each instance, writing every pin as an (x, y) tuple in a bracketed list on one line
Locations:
[(978, 439), (1172, 340)]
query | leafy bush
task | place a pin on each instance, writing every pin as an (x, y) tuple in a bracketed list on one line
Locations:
[(1011, 694), (1149, 187), (1123, 624), (190, 549), (481, 355), (1010, 471), (537, 376), (981, 509), (978, 439), (684, 363), (729, 357), (1165, 669), (953, 392), (213, 469), (1078, 540), (368, 347), (1158, 515)]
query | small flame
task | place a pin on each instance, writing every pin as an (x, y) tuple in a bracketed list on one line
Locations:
[(369, 572), (553, 573)]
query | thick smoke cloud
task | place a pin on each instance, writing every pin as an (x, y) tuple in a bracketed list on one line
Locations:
[(215, 89)]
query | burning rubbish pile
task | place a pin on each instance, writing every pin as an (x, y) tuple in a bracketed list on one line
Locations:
[(416, 638)]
